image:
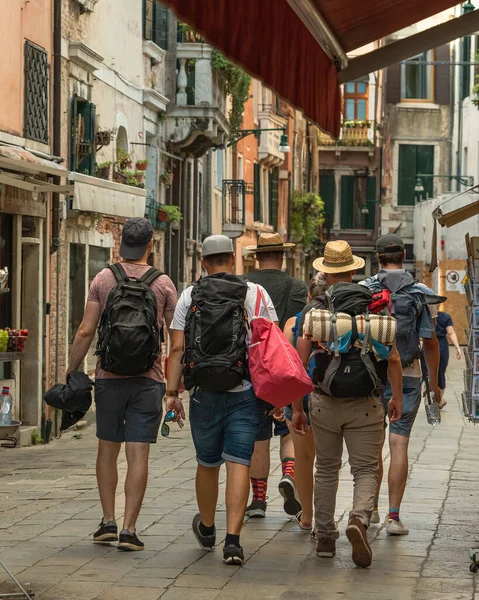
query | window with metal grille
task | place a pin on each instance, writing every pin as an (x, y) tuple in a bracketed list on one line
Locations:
[(35, 123), (155, 23)]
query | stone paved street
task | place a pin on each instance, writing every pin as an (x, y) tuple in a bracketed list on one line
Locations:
[(49, 508)]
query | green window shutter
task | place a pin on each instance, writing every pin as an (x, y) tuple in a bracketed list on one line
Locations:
[(74, 135), (274, 197), (407, 174), (347, 201), (257, 193), (425, 166), (370, 220), (327, 191), (414, 161)]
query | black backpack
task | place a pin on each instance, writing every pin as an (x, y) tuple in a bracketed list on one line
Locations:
[(215, 334), (128, 335), (356, 373)]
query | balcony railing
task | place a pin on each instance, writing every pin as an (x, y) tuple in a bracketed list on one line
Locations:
[(353, 134), (186, 35)]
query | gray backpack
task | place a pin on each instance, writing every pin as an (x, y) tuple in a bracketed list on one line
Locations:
[(407, 305)]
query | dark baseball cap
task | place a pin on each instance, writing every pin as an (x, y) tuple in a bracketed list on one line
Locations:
[(386, 244), (137, 232)]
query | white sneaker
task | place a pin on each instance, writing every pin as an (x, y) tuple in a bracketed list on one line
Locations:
[(375, 518), (396, 528)]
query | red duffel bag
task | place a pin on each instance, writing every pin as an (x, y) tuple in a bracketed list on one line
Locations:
[(276, 370)]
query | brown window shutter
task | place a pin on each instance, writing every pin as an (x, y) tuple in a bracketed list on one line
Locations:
[(393, 84), (442, 76)]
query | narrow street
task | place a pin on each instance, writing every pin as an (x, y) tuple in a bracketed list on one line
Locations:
[(49, 508)]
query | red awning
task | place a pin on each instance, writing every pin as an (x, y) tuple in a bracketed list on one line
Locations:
[(270, 40)]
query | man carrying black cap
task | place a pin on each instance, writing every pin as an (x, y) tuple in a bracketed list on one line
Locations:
[(410, 302), (128, 405)]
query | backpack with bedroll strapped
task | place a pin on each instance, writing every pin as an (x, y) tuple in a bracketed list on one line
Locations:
[(128, 335), (352, 371), (215, 334)]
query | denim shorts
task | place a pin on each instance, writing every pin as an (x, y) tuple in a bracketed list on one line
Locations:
[(288, 411), (128, 409), (411, 389), (224, 426)]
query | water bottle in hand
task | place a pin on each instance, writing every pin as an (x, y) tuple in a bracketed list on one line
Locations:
[(6, 407), (433, 412)]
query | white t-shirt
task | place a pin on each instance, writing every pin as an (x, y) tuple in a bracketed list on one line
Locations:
[(269, 312)]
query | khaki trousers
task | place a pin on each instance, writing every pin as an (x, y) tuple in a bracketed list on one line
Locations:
[(360, 422)]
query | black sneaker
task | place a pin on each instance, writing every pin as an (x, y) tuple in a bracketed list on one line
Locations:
[(256, 510), (233, 555), (206, 542), (287, 488), (129, 542), (106, 532)]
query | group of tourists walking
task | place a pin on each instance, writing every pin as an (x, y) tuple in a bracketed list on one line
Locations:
[(360, 342)]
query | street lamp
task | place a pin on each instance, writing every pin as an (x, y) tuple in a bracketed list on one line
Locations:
[(468, 7), (419, 189), (283, 143)]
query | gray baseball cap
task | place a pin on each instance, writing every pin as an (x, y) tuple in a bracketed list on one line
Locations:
[(217, 244), (137, 232)]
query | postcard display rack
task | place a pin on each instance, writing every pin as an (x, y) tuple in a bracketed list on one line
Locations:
[(470, 395)]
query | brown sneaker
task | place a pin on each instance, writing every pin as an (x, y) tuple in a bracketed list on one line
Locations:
[(362, 553), (326, 547)]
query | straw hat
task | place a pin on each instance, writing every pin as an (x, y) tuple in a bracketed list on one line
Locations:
[(338, 258), (270, 242)]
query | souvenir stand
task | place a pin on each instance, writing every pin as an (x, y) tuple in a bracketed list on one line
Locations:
[(470, 395)]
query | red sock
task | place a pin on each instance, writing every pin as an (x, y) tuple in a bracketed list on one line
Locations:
[(260, 487), (287, 465), (394, 514)]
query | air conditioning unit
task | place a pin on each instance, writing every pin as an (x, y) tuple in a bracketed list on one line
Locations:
[(86, 5)]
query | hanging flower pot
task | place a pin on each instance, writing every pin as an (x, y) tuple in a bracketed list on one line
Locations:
[(163, 216), (141, 165), (139, 176)]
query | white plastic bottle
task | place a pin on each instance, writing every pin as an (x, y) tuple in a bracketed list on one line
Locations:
[(6, 407), (433, 412)]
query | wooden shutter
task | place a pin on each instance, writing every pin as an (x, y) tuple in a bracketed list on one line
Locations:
[(347, 201), (442, 76), (407, 174), (425, 166), (371, 190), (274, 197), (393, 84), (327, 191), (257, 193)]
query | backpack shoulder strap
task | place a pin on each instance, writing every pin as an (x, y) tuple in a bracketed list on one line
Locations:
[(119, 272), (149, 277)]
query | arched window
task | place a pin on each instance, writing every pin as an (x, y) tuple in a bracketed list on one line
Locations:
[(122, 139)]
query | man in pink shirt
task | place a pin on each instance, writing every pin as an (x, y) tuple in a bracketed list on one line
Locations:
[(128, 408)]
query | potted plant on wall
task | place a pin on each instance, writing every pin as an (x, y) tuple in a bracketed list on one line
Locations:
[(123, 159), (141, 165), (168, 213), (103, 170), (166, 178)]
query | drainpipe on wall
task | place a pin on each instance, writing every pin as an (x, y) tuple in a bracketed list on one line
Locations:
[(57, 114)]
